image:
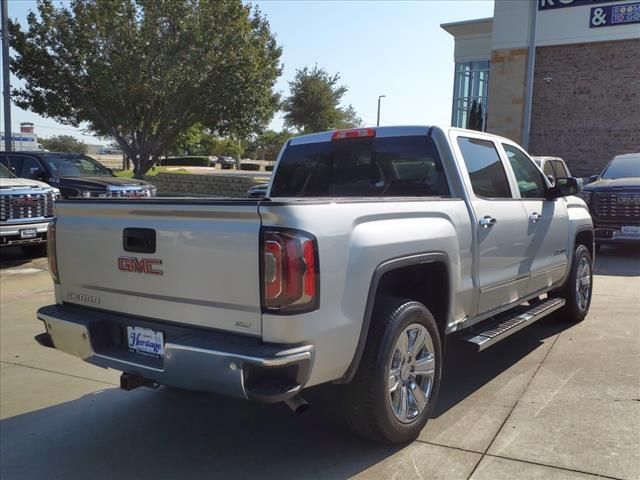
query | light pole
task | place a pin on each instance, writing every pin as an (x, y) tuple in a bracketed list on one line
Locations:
[(6, 85), (379, 98)]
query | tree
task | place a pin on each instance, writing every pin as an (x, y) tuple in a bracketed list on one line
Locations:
[(475, 118), (64, 143), (314, 102), (268, 144), (143, 71)]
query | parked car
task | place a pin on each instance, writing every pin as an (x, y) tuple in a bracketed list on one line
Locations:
[(75, 175), (110, 151), (213, 160), (226, 162), (614, 201), (26, 208), (552, 167), (372, 247), (258, 191)]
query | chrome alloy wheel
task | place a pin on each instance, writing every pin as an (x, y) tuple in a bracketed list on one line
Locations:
[(583, 283), (411, 373)]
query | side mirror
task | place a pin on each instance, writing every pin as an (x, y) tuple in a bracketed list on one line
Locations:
[(594, 178), (564, 187), (36, 174)]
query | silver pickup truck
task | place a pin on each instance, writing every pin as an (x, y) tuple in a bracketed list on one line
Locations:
[(371, 248), (26, 208)]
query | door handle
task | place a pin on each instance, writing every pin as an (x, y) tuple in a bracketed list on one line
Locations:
[(487, 222), (139, 240), (535, 217)]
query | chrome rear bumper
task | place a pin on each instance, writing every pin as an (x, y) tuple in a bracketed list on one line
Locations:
[(194, 359)]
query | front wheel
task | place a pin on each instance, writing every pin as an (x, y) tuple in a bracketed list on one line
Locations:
[(579, 286), (396, 386)]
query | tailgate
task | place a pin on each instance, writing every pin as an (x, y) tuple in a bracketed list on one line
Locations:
[(204, 270)]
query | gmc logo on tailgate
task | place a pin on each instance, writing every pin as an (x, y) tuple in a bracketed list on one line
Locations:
[(139, 265)]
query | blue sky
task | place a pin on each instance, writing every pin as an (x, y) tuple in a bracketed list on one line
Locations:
[(392, 48)]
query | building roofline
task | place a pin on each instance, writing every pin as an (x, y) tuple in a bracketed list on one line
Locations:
[(454, 27)]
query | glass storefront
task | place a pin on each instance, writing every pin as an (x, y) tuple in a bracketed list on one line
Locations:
[(470, 90)]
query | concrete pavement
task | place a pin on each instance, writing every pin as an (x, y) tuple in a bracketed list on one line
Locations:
[(553, 401)]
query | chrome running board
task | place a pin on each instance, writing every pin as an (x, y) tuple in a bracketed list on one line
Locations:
[(492, 331)]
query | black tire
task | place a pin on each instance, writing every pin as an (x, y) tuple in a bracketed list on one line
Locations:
[(576, 310), (368, 406), (39, 250)]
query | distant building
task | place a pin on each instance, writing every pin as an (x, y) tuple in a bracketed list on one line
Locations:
[(25, 141), (585, 100)]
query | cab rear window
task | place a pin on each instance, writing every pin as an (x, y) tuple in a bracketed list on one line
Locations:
[(363, 167)]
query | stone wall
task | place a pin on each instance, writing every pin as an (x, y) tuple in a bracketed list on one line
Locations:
[(221, 185), (507, 80), (586, 103)]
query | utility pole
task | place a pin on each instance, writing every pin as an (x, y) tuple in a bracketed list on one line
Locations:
[(531, 62), (379, 97), (6, 83)]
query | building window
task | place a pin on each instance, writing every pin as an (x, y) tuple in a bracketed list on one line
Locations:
[(470, 89)]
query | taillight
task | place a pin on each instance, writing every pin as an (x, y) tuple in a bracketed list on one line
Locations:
[(290, 275), (51, 251), (353, 133)]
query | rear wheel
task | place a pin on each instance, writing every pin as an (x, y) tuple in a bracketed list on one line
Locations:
[(39, 250), (396, 386), (579, 286)]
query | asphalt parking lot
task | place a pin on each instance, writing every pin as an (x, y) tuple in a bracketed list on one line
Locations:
[(552, 401)]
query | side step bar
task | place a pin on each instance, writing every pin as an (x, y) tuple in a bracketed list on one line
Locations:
[(492, 331)]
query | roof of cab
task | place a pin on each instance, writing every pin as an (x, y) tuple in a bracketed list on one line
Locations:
[(392, 131)]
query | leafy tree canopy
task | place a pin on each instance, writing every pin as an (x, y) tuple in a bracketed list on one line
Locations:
[(145, 71), (63, 143), (198, 140), (268, 144), (314, 102)]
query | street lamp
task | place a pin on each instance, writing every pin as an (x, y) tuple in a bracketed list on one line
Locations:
[(379, 97)]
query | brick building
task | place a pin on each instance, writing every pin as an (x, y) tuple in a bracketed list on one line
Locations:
[(561, 77)]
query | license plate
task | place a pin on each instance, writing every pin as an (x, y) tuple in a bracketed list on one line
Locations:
[(630, 230), (145, 340), (28, 233)]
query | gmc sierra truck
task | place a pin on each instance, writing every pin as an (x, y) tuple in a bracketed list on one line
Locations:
[(26, 208), (371, 249), (614, 201)]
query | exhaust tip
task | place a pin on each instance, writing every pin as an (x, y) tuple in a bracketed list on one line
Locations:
[(297, 404)]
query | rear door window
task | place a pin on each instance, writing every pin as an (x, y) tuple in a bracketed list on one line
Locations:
[(364, 167), (15, 164), (488, 178), (561, 171), (30, 167), (549, 171)]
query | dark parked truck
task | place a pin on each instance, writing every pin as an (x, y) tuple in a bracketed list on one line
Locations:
[(370, 249), (614, 201), (75, 175)]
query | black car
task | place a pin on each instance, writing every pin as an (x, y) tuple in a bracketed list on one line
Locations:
[(76, 175), (226, 162), (614, 201), (258, 191)]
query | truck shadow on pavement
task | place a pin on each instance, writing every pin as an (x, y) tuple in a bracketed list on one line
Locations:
[(619, 260), (173, 434), (11, 257)]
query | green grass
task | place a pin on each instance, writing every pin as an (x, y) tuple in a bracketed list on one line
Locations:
[(150, 173)]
